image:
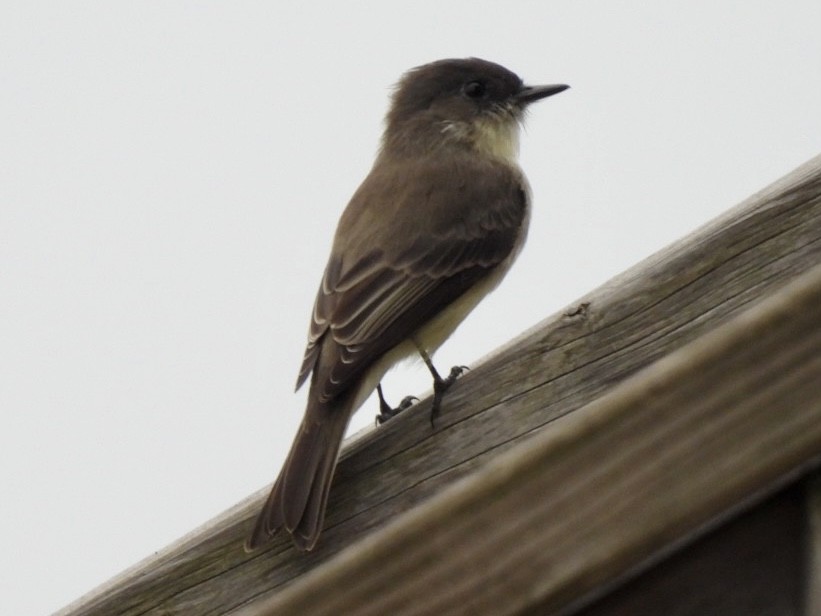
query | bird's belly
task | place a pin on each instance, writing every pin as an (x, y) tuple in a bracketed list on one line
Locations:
[(434, 333)]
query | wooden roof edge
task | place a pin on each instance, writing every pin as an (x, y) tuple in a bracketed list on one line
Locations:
[(700, 433)]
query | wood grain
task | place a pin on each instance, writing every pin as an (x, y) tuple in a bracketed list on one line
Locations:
[(570, 359), (605, 490)]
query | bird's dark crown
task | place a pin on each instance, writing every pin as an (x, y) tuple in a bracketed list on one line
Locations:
[(453, 89)]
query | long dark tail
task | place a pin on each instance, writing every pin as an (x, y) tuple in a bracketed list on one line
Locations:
[(299, 496)]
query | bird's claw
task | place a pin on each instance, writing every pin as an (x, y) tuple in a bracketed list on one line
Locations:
[(386, 411), (440, 386)]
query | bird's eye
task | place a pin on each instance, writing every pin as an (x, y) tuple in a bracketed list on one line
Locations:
[(474, 89)]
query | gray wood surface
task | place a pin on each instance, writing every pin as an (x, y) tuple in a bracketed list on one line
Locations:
[(562, 364), (605, 490)]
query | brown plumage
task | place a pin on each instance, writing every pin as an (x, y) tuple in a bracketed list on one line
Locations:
[(431, 230)]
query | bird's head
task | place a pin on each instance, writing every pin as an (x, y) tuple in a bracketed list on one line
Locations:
[(464, 102)]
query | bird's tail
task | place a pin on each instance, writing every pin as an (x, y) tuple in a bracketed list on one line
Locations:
[(299, 496)]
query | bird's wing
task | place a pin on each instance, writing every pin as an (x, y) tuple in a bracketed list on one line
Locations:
[(378, 289)]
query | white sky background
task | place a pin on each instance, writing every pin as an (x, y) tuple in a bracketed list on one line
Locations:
[(171, 174)]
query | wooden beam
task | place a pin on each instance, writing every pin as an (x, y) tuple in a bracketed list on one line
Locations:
[(569, 360), (701, 432)]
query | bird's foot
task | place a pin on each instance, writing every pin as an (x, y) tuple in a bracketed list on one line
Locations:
[(386, 411), (440, 386)]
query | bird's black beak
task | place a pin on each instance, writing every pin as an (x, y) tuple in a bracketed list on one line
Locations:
[(531, 94)]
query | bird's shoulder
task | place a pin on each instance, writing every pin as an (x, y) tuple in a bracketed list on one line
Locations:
[(406, 201)]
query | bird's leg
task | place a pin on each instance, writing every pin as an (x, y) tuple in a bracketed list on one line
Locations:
[(386, 411), (440, 385)]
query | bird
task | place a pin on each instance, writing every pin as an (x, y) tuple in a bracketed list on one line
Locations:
[(433, 228)]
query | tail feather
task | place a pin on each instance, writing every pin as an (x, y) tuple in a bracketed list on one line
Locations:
[(302, 471), (300, 494), (306, 535)]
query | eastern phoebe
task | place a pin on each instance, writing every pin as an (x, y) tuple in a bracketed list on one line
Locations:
[(434, 227)]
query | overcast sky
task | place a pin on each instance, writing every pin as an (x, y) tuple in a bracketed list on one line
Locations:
[(171, 174)]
